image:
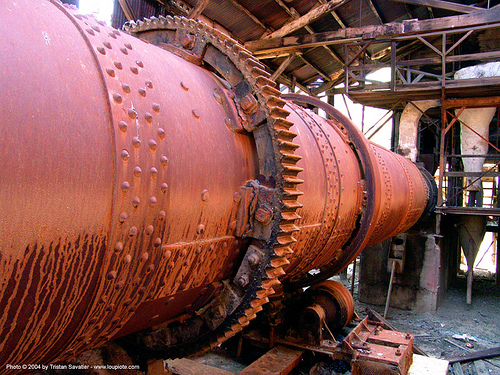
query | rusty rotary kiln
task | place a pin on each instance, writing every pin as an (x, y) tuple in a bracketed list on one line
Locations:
[(162, 184)]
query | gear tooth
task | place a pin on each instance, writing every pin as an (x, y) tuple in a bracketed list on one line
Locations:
[(162, 18), (170, 20)]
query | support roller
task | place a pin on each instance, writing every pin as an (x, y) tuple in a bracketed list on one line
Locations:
[(159, 190)]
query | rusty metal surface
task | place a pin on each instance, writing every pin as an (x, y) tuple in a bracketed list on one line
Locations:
[(158, 187), (353, 181), (374, 350)]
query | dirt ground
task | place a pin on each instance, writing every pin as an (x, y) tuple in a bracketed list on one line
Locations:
[(434, 331)]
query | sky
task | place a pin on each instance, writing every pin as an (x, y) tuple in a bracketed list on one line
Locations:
[(101, 9)]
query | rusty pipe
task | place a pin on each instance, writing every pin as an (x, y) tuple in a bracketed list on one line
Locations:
[(140, 187)]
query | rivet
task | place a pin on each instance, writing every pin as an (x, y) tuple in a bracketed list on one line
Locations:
[(145, 256), (125, 155), (90, 31), (153, 201), (149, 84), (119, 285), (161, 133), (126, 88), (118, 247), (123, 126), (184, 85), (183, 252), (140, 63), (137, 171), (101, 50), (156, 107), (141, 291), (236, 197), (117, 33), (132, 231), (149, 117), (112, 35), (164, 187), (134, 70), (154, 172), (217, 96), (118, 64), (127, 302), (125, 186), (132, 113), (123, 216), (128, 45), (142, 92), (182, 286), (110, 308), (161, 215), (79, 16), (200, 229), (157, 242), (204, 195), (124, 50), (111, 275), (198, 250), (136, 142), (127, 258), (103, 299), (96, 28), (107, 45), (152, 144), (164, 160), (150, 268), (132, 309), (117, 97), (149, 230), (212, 247), (196, 113), (136, 201), (228, 122)]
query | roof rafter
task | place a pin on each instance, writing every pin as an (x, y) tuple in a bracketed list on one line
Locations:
[(306, 19), (298, 43), (446, 5)]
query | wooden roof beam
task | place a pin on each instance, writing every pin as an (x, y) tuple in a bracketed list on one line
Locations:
[(454, 24), (446, 5), (293, 14), (375, 11), (127, 10), (306, 19), (248, 13), (283, 66), (198, 9), (335, 16)]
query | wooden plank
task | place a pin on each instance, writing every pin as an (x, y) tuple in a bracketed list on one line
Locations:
[(185, 366), (428, 366), (306, 19), (450, 24), (447, 5), (129, 14), (283, 66), (248, 13), (481, 354), (280, 360), (198, 9)]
